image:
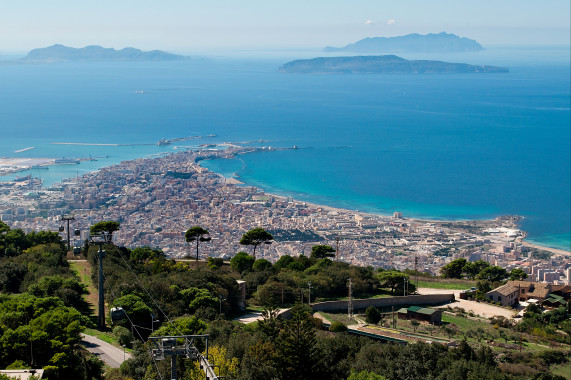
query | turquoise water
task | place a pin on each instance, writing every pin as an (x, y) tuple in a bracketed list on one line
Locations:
[(433, 146)]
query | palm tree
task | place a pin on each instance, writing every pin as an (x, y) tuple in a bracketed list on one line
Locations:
[(197, 233)]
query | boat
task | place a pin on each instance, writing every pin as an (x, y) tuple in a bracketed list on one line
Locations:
[(66, 161)]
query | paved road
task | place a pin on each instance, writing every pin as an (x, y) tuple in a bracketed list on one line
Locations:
[(479, 308), (108, 353), (253, 317)]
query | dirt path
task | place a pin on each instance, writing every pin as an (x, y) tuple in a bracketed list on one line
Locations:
[(479, 308)]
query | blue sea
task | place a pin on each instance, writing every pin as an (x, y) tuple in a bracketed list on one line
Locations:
[(458, 146)]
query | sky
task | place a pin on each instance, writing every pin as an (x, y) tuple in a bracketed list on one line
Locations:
[(186, 26)]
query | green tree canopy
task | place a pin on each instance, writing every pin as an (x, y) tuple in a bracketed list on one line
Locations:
[(453, 269), (322, 251), (242, 262), (296, 344), (472, 269), (197, 234), (138, 312), (70, 290), (255, 237), (372, 315), (108, 226), (493, 274), (182, 326), (392, 279), (143, 254), (517, 274), (261, 265)]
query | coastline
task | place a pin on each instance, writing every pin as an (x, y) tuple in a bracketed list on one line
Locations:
[(549, 249), (536, 245), (234, 181)]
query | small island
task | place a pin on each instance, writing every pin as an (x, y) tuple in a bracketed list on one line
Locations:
[(59, 53), (412, 43), (381, 64)]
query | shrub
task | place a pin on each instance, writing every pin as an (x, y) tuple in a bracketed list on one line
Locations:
[(337, 326), (215, 262), (372, 315), (123, 336)]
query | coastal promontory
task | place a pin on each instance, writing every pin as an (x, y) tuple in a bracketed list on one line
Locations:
[(57, 53), (411, 43), (382, 64)]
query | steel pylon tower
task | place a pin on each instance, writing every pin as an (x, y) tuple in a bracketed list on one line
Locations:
[(350, 303)]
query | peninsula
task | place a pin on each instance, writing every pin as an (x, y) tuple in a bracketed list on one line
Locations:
[(58, 53), (156, 198), (381, 64), (412, 43)]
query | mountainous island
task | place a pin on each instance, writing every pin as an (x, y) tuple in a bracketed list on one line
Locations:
[(58, 53), (412, 43), (381, 64)]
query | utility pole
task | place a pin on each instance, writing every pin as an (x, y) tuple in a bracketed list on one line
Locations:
[(67, 218), (309, 293), (350, 303), (101, 240), (337, 248), (416, 269)]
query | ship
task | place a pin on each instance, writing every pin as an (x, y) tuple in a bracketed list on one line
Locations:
[(66, 161)]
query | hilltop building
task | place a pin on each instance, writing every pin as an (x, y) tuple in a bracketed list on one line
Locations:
[(519, 291)]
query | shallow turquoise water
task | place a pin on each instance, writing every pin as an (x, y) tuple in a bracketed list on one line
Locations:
[(434, 146)]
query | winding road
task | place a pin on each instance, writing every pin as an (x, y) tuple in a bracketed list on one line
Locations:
[(111, 355)]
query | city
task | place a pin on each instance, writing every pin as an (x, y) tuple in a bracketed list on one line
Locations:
[(157, 199)]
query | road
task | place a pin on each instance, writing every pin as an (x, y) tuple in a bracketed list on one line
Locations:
[(108, 353), (479, 308)]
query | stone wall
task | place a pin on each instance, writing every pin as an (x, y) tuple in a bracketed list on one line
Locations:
[(385, 304)]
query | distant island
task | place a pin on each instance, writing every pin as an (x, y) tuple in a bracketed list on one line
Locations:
[(411, 43), (57, 53), (381, 64)]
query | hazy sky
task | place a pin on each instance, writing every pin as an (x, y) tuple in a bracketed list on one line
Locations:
[(193, 25)]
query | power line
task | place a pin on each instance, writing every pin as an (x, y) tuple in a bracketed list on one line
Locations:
[(135, 329), (147, 292)]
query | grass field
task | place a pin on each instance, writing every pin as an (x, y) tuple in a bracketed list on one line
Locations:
[(445, 283), (83, 270)]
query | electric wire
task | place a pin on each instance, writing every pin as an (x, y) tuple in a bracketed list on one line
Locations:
[(148, 293), (134, 328), (151, 297)]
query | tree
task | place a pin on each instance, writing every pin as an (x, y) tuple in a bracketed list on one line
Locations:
[(197, 233), (138, 312), (322, 251), (242, 262), (517, 274), (297, 345), (392, 279), (453, 269), (493, 274), (261, 265), (364, 375), (256, 237), (472, 269), (144, 254), (108, 226), (372, 315), (337, 326)]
